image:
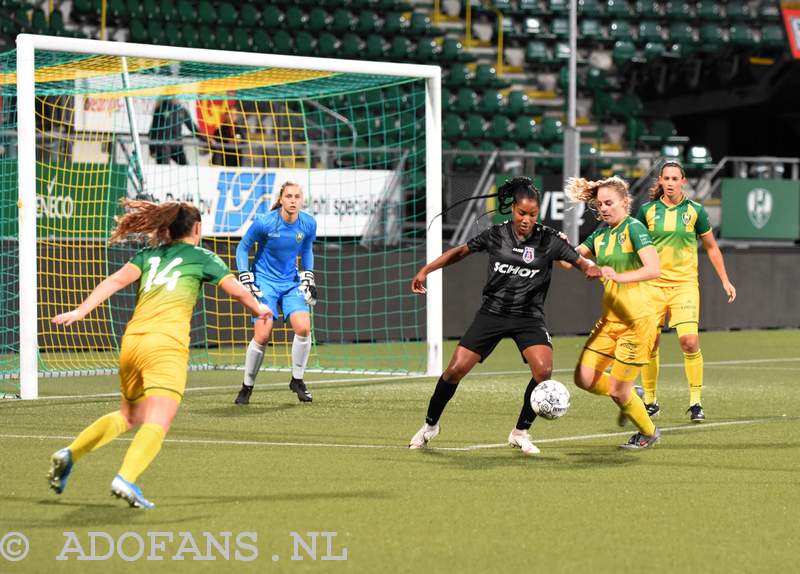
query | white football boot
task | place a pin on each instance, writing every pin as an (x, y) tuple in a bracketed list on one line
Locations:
[(423, 436), (522, 440)]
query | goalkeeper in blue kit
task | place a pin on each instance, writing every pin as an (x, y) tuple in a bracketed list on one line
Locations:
[(282, 235)]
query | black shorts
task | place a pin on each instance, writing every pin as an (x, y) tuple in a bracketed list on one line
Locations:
[(488, 329)]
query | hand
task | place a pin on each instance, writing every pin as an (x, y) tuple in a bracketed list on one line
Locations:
[(593, 272), (68, 318), (418, 283), (248, 280), (264, 312), (730, 290), (607, 272), (308, 287), (563, 236)]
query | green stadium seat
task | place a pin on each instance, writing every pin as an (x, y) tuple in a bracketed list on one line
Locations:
[(678, 10), (591, 30), (207, 37), (650, 31), (558, 6), (712, 38), (375, 48), (173, 34), (56, 24), (648, 9), (135, 9), (38, 21), (427, 50), (242, 41), (296, 18), (654, 51), (742, 36), (561, 52), (466, 161), (342, 22), (551, 129), (155, 32), (772, 36), (420, 25), (206, 13), (328, 45), (395, 23), (138, 32), (351, 46), (590, 8), (769, 12), (500, 128), (224, 37), (319, 20), (505, 6), (682, 33), (262, 41), (709, 10), (452, 126), (535, 147), (623, 53), (464, 101), (516, 103), (559, 27), (525, 129), (453, 51), (629, 105), (473, 127), (400, 49), (603, 104), (486, 77), (620, 30), (619, 9), (367, 23), (227, 14), (536, 52), (248, 15), (304, 44), (588, 154), (490, 103), (458, 75), (282, 42), (739, 10), (533, 26), (166, 9), (532, 7), (272, 17), (596, 79), (556, 161)]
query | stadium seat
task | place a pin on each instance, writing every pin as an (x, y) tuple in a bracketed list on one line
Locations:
[(500, 128), (486, 77), (272, 17), (709, 10), (453, 51), (671, 152), (155, 32), (56, 24), (531, 7), (452, 127), (561, 52), (620, 30), (282, 42), (678, 10), (505, 6), (591, 30), (533, 26), (772, 36), (427, 50), (262, 41), (551, 129), (466, 161), (167, 11), (458, 75), (712, 38), (173, 34), (319, 20), (420, 25), (400, 49), (138, 31), (648, 9), (473, 127), (207, 38), (304, 44), (618, 9), (698, 157), (559, 27), (375, 48), (769, 12), (682, 33), (464, 101), (351, 47), (394, 23), (603, 104), (629, 105), (296, 19), (206, 13), (650, 31), (558, 6), (536, 53), (227, 14), (242, 40), (516, 103), (738, 10), (342, 22), (135, 9), (248, 15), (224, 38), (623, 53), (742, 36), (590, 9), (596, 79), (490, 102), (653, 51), (525, 129), (367, 22)]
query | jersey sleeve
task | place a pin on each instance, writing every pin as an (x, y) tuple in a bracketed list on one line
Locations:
[(640, 237), (641, 215), (702, 225), (480, 242), (138, 259), (562, 250), (588, 243), (214, 268), (247, 242), (306, 251)]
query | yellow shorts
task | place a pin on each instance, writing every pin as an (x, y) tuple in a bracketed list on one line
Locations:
[(683, 304), (152, 365), (626, 345)]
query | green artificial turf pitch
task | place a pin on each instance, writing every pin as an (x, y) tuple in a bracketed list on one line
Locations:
[(723, 496)]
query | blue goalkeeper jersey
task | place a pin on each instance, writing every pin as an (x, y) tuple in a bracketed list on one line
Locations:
[(279, 245)]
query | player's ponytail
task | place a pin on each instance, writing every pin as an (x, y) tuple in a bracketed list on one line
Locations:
[(657, 191), (277, 203), (580, 190), (160, 222)]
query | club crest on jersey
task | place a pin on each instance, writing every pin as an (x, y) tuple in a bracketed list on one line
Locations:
[(621, 239), (299, 236), (686, 218), (527, 254)]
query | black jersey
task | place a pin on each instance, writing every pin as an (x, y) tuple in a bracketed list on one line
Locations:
[(519, 271)]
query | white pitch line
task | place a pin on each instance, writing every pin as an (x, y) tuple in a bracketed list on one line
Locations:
[(402, 446), (408, 377)]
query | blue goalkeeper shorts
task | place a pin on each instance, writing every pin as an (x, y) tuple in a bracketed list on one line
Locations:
[(289, 297)]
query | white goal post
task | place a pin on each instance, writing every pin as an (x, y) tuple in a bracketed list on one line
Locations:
[(29, 45)]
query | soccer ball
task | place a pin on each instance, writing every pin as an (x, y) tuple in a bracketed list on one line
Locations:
[(550, 400)]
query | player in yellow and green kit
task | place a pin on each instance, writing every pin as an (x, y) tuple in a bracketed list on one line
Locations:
[(623, 337), (154, 353), (675, 222)]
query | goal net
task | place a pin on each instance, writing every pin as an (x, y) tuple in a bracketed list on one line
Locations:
[(86, 124)]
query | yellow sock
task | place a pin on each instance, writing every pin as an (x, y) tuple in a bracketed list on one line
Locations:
[(650, 378), (693, 365), (634, 409), (601, 386), (143, 450), (100, 432)]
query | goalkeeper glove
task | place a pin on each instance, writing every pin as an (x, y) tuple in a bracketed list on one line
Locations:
[(308, 287), (248, 280)]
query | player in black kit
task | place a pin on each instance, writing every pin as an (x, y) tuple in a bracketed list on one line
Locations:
[(521, 254)]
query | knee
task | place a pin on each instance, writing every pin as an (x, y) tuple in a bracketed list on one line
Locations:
[(454, 373), (581, 380), (302, 331), (542, 373), (690, 344)]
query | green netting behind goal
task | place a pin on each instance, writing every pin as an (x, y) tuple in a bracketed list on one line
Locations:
[(224, 138)]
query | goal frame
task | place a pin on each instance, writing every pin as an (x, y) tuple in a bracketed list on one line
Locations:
[(28, 44)]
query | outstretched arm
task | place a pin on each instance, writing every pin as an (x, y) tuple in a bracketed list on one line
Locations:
[(110, 285), (244, 296), (715, 255), (449, 257)]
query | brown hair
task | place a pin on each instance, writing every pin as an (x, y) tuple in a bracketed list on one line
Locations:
[(657, 191), (286, 184), (580, 190), (161, 222)]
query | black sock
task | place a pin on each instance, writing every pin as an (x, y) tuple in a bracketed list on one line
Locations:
[(526, 415), (441, 396)]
